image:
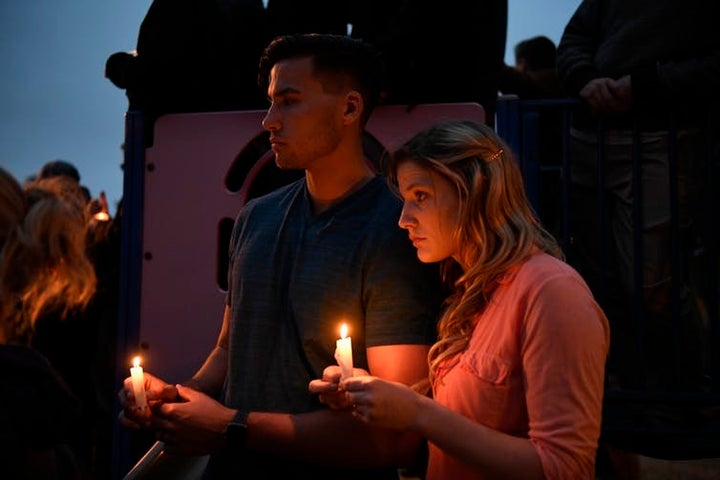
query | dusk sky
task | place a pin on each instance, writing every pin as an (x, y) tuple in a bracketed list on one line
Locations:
[(56, 103)]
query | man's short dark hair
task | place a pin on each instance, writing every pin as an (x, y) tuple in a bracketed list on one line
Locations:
[(539, 52), (337, 57)]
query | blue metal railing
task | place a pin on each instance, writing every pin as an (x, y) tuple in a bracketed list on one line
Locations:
[(130, 274), (672, 416)]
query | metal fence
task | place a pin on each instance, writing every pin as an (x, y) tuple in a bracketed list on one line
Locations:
[(636, 211)]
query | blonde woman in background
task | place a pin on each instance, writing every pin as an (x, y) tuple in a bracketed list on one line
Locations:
[(42, 266)]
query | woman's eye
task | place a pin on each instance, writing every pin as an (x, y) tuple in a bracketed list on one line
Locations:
[(420, 196)]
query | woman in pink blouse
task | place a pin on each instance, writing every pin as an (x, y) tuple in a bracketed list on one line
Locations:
[(517, 372)]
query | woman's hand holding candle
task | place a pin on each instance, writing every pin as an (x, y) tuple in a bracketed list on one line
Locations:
[(328, 387)]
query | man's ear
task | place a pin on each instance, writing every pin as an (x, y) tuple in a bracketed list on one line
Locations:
[(353, 106)]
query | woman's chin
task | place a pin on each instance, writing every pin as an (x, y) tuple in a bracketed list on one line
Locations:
[(426, 257)]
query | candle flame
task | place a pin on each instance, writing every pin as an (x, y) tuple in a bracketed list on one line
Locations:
[(136, 361), (343, 330), (102, 216)]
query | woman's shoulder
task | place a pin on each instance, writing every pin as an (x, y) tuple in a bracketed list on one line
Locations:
[(543, 266), (28, 381), (25, 369), (543, 275)]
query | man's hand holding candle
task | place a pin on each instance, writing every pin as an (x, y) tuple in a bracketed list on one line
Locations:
[(194, 425), (156, 392)]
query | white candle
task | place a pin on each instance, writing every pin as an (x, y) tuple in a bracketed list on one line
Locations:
[(138, 383), (343, 353)]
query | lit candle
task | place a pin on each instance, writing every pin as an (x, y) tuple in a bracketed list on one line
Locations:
[(138, 383), (343, 353)]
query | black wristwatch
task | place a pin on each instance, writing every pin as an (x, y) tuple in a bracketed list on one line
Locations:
[(236, 432)]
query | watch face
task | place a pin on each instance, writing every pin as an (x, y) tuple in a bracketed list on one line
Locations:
[(236, 434)]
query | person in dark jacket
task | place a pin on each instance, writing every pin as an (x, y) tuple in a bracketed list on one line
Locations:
[(193, 56), (648, 72)]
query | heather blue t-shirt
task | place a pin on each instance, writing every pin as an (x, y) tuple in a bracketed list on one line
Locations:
[(294, 277)]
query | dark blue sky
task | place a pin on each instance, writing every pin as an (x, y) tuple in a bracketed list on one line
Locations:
[(56, 103)]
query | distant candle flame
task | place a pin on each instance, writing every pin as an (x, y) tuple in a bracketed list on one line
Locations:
[(343, 331), (136, 362), (102, 216)]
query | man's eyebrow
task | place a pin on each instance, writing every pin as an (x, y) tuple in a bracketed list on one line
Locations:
[(286, 91)]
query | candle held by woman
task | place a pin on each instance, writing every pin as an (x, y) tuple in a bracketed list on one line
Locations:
[(138, 383), (343, 353)]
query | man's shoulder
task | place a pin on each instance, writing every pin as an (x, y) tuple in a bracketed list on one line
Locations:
[(275, 198)]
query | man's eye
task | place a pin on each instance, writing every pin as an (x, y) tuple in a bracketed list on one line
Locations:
[(420, 196), (281, 102)]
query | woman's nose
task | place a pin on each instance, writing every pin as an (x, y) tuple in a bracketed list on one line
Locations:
[(406, 220)]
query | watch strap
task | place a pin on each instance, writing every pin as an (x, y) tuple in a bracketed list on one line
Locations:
[(236, 432)]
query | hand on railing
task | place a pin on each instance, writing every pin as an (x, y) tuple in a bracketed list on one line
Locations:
[(607, 95)]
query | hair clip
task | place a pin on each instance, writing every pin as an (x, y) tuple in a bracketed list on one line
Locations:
[(495, 155)]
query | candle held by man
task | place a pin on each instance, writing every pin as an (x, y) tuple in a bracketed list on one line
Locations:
[(138, 383)]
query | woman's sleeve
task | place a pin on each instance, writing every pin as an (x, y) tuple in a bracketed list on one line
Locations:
[(565, 345)]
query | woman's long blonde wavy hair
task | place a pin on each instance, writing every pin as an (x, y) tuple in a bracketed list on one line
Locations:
[(497, 230), (43, 264)]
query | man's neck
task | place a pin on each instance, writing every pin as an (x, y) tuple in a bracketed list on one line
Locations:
[(327, 189)]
